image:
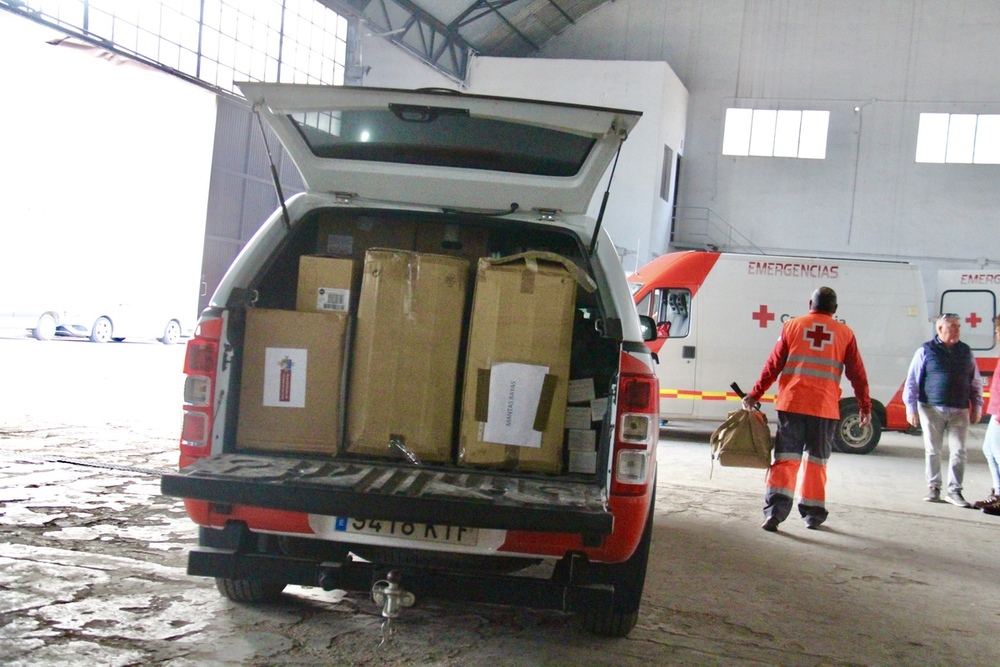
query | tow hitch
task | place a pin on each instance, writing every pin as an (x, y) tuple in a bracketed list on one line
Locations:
[(391, 597)]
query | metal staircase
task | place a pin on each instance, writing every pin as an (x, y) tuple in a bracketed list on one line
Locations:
[(701, 228)]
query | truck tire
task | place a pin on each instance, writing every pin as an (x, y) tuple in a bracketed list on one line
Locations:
[(617, 618), (249, 590), (850, 437)]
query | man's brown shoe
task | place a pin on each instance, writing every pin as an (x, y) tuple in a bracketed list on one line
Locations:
[(770, 524)]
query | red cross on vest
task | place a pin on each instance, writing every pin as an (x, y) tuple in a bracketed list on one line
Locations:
[(818, 336)]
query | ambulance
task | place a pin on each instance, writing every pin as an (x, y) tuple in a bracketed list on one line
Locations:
[(718, 316), (972, 295)]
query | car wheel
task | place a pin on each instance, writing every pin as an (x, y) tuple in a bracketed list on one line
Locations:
[(620, 614), (102, 330), (171, 333), (852, 438), (249, 590), (45, 329)]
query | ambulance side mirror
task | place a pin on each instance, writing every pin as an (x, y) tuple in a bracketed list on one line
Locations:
[(648, 326)]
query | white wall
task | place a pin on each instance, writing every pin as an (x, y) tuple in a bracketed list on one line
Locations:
[(105, 174), (891, 60), (636, 217), (390, 66)]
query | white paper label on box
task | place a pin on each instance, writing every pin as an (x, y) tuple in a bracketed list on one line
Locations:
[(333, 300), (578, 417), (581, 391), (582, 440), (515, 390), (285, 377), (583, 462), (598, 408)]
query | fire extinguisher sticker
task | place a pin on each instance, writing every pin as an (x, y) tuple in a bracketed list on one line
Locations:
[(285, 377)]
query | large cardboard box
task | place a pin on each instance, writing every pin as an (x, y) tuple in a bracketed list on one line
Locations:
[(470, 243), (517, 366), (404, 366), (324, 284), (353, 237), (293, 379)]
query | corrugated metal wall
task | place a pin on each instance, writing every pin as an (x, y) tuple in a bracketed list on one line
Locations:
[(241, 193)]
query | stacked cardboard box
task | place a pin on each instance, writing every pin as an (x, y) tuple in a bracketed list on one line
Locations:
[(517, 369), (324, 284), (404, 365), (290, 396)]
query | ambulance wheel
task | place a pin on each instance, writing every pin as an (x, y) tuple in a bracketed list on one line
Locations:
[(249, 590), (620, 614), (851, 437)]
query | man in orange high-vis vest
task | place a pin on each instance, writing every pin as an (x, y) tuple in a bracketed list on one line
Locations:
[(811, 355)]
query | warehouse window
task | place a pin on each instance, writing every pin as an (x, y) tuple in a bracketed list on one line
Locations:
[(959, 138), (776, 133), (215, 41)]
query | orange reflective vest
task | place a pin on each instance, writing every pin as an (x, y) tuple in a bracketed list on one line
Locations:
[(817, 346)]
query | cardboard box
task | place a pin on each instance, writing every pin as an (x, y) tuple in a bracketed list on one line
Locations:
[(353, 237), (583, 462), (522, 314), (292, 384), (404, 365), (470, 243), (324, 284)]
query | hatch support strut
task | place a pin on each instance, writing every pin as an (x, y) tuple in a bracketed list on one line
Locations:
[(604, 201), (274, 170)]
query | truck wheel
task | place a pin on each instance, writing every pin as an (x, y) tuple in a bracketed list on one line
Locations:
[(851, 437), (249, 590), (617, 618)]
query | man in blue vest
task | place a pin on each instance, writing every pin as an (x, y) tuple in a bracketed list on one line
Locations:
[(943, 394)]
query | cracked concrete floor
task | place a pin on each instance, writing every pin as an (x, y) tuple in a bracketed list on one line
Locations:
[(92, 559)]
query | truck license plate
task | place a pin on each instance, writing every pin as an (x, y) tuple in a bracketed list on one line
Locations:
[(427, 532)]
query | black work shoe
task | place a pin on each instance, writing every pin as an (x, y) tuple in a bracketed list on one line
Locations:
[(813, 523), (770, 524)]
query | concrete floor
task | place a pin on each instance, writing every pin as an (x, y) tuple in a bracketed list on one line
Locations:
[(92, 560), (888, 580)]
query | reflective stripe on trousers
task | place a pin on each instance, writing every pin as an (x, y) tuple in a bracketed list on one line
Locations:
[(799, 436)]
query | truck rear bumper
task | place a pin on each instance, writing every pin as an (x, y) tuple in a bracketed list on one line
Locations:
[(473, 498), (567, 587)]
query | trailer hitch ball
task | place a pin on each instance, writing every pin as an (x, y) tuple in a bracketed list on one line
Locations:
[(391, 597)]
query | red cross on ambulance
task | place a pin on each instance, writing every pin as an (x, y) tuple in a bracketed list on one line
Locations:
[(762, 316), (818, 336)]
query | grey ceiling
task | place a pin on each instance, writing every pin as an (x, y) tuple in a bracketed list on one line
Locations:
[(446, 32)]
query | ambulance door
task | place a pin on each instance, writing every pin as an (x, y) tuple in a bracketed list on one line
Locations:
[(976, 310), (675, 346)]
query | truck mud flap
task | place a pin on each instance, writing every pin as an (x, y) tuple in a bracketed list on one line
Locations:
[(473, 498)]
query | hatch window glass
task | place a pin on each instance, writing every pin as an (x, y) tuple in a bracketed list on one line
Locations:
[(442, 137)]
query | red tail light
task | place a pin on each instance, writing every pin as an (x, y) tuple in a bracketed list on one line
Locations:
[(637, 430), (200, 363)]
